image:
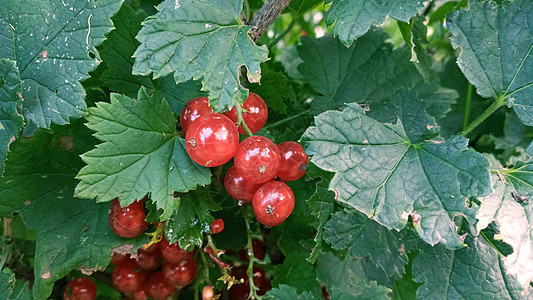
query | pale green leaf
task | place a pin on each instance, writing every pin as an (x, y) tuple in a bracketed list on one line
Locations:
[(381, 172), (496, 51), (285, 292), (140, 153), (53, 43), (200, 39), (10, 105), (353, 18)]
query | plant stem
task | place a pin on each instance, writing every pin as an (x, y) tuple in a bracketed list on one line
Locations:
[(8, 241), (290, 118), (499, 102), (282, 34), (251, 257), (240, 119), (467, 105), (266, 15)]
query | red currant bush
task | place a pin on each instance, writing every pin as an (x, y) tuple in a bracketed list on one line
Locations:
[(212, 140), (255, 113), (194, 109), (81, 288), (127, 277), (217, 226), (173, 252), (158, 288), (127, 221), (181, 273), (238, 188), (294, 161), (273, 203), (257, 159)]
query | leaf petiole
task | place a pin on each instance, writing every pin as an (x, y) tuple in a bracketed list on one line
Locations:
[(240, 119), (499, 102)]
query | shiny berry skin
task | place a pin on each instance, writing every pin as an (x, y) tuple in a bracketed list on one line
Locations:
[(238, 188), (212, 140), (194, 109), (158, 288), (127, 277), (118, 257), (127, 221), (139, 294), (294, 161), (81, 288), (273, 203), (173, 252), (181, 273), (217, 226), (150, 258), (255, 113), (257, 159)]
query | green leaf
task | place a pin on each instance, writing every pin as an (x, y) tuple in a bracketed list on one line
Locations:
[(298, 273), (200, 39), (43, 167), (117, 53), (363, 237), (285, 292), (414, 34), (384, 172), (10, 104), (54, 47), (463, 273), (353, 18), (496, 51), (299, 7), (188, 225), (369, 72), (140, 153), (11, 288), (274, 89), (362, 291), (71, 234)]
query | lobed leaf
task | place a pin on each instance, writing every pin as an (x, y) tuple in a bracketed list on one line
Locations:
[(53, 43), (298, 273), (140, 153), (11, 121), (200, 39), (388, 172), (284, 291), (353, 18), (496, 51)]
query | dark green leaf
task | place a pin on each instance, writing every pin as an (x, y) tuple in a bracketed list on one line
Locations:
[(496, 46), (141, 153), (10, 105), (414, 34), (299, 7), (274, 89), (353, 18), (200, 39), (298, 273), (54, 44), (382, 173), (12, 288), (285, 292)]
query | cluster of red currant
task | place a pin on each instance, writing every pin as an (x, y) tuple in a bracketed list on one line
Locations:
[(213, 139)]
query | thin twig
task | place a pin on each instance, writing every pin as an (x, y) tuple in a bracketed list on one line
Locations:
[(265, 16)]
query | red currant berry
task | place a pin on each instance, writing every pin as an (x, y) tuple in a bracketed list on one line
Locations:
[(217, 226), (118, 257), (181, 273), (241, 291), (81, 288), (238, 188), (257, 159), (194, 109), (294, 161), (127, 221), (140, 294), (127, 278), (208, 293), (150, 258), (212, 140), (273, 203), (173, 252), (158, 288), (255, 113)]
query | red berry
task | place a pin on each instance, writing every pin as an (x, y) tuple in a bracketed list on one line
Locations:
[(81, 288), (118, 257), (294, 161), (212, 140), (238, 188), (257, 159), (194, 109), (241, 291), (127, 278), (273, 203), (150, 258), (173, 252), (127, 221), (208, 293), (217, 226), (140, 294), (255, 113), (158, 288), (180, 273)]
